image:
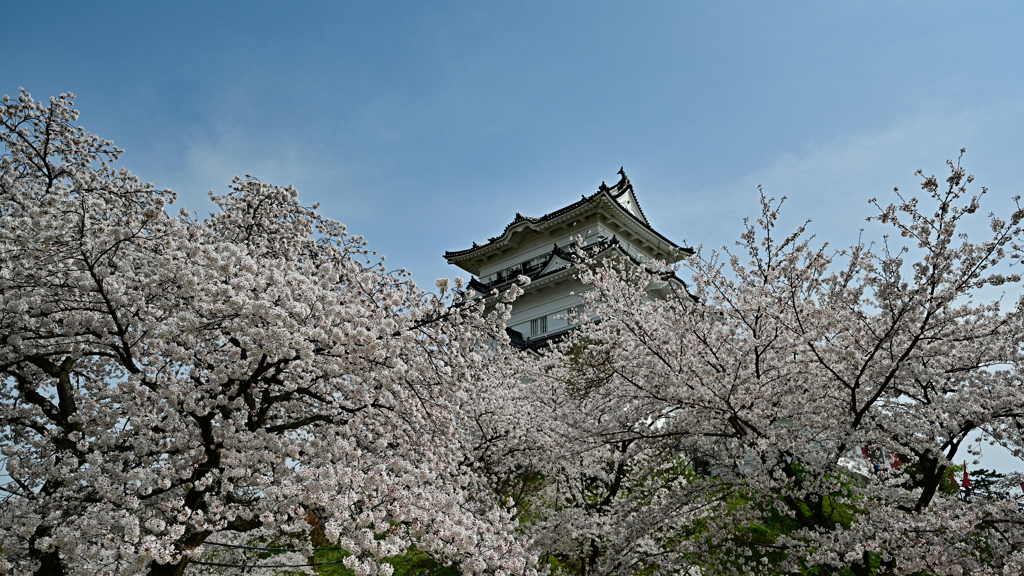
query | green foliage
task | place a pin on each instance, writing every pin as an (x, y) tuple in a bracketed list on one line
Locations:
[(985, 483), (753, 545), (412, 563), (948, 485)]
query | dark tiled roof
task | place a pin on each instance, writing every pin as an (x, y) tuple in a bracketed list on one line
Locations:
[(568, 255), (616, 191), (539, 342), (516, 338)]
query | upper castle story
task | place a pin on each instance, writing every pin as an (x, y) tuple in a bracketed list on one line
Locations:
[(540, 247)]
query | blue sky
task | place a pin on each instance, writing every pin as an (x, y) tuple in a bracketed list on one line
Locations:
[(426, 126)]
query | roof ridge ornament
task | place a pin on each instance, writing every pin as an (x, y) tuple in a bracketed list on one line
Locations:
[(622, 187)]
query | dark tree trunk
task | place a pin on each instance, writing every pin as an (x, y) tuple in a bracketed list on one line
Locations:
[(864, 567), (49, 562), (169, 569)]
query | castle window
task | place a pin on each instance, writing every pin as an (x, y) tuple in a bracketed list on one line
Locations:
[(574, 314), (538, 326)]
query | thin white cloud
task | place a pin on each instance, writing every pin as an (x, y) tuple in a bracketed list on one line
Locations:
[(210, 164), (831, 182)]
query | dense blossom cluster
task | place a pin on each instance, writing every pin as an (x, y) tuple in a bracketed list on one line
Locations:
[(170, 382), (726, 432), (207, 395)]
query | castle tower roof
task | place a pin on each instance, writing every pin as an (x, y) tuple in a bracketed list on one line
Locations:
[(617, 203)]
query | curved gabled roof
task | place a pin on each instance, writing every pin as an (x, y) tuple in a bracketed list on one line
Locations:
[(622, 187), (595, 250)]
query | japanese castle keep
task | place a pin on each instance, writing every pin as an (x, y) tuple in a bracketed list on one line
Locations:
[(610, 220)]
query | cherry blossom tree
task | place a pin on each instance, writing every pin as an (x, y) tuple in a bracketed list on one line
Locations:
[(174, 385), (192, 394), (802, 416)]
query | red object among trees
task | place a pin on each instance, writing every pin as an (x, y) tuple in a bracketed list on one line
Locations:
[(896, 461)]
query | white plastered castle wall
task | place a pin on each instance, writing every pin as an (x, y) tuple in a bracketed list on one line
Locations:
[(550, 302), (541, 311)]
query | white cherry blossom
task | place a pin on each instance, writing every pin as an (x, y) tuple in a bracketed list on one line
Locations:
[(175, 383)]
